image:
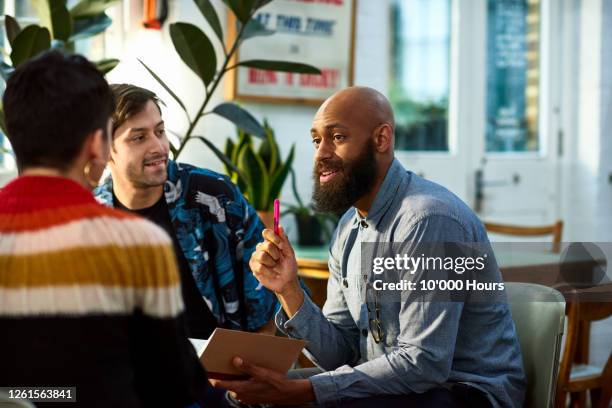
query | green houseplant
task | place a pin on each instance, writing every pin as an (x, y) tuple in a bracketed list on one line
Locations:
[(196, 50), (313, 228), (60, 28), (260, 172)]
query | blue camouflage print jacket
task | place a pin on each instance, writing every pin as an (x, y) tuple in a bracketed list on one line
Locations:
[(217, 230)]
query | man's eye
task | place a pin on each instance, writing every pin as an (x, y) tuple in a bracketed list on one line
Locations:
[(161, 132), (137, 138), (316, 142), (339, 138)]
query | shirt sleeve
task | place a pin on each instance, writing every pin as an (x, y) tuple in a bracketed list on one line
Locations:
[(425, 344), (260, 302)]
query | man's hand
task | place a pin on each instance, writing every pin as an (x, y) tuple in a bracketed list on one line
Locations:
[(267, 386), (273, 263)]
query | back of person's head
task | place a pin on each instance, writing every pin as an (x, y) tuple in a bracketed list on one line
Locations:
[(52, 103), (129, 101)]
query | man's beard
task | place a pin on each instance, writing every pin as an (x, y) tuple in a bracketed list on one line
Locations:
[(355, 179)]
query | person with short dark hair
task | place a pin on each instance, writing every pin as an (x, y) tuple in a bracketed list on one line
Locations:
[(89, 296), (213, 228)]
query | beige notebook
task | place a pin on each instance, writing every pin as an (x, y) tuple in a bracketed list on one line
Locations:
[(275, 353)]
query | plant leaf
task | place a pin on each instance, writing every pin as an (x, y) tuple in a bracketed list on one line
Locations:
[(54, 15), (254, 172), (2, 123), (278, 179), (241, 8), (240, 117), (106, 65), (91, 8), (12, 28), (195, 49), (209, 13), (220, 155), (30, 42), (284, 66), (88, 27), (229, 153), (254, 28), (166, 87)]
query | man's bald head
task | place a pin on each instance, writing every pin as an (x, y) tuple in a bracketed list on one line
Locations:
[(366, 105)]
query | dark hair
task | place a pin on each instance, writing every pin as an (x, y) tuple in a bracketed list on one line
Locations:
[(51, 104), (129, 101)]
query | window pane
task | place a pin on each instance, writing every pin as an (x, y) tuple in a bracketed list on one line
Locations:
[(513, 64), (420, 73)]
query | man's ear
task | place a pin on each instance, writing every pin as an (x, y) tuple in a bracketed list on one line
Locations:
[(383, 138)]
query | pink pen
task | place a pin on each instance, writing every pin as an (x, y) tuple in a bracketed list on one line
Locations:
[(276, 216)]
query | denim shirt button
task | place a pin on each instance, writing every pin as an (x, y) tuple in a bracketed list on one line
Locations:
[(364, 332)]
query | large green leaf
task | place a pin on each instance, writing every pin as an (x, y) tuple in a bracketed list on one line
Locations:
[(30, 42), (279, 177), (254, 29), (254, 171), (166, 87), (241, 8), (209, 13), (91, 8), (12, 28), (284, 66), (88, 27), (106, 65), (195, 49), (54, 15), (240, 117)]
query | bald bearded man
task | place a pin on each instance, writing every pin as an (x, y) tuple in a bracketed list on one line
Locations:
[(405, 352)]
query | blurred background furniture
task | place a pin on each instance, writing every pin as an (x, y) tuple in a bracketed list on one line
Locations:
[(556, 230), (576, 375), (539, 316)]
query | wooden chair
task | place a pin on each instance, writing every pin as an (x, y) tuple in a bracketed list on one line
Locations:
[(578, 379), (556, 230)]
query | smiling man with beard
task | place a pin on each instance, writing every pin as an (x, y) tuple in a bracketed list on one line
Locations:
[(213, 228), (406, 352)]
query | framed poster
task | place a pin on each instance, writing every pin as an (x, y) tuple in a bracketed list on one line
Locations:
[(316, 32)]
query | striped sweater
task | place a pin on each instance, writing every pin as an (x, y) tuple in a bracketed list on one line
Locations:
[(90, 297)]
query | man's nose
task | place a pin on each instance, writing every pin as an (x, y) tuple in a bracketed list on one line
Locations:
[(158, 145), (325, 150)]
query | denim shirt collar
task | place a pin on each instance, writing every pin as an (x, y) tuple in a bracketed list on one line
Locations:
[(385, 195)]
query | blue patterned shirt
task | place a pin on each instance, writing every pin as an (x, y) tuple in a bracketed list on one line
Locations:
[(217, 230)]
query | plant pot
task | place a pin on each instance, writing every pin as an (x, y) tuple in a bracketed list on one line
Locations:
[(267, 217), (309, 230)]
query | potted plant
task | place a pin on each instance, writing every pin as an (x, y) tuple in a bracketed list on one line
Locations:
[(258, 171), (196, 50), (313, 228)]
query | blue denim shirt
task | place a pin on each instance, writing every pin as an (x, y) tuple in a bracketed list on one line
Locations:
[(217, 230), (427, 344)]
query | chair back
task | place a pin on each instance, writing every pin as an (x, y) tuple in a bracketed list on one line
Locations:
[(556, 230), (539, 316)]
